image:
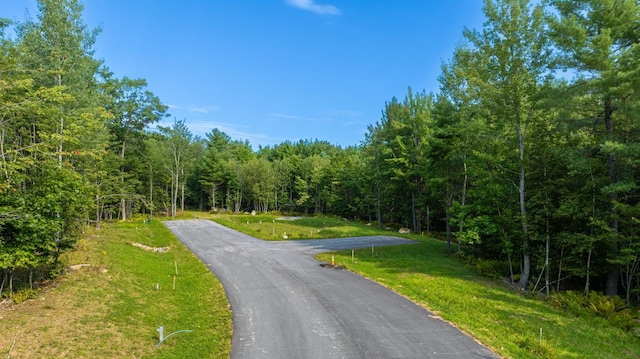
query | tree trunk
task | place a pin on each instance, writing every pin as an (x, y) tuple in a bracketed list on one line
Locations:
[(414, 221), (174, 199), (213, 197), (4, 280), (560, 269), (123, 209), (526, 264), (447, 218), (2, 153), (613, 272), (448, 228), (463, 198), (238, 202), (587, 282), (513, 285), (182, 199), (10, 283), (98, 214), (546, 258), (151, 189)]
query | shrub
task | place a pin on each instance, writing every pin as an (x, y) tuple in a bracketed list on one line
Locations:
[(604, 306), (24, 294), (613, 309), (486, 267), (569, 301)]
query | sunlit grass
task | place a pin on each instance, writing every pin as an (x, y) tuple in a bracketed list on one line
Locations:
[(112, 307), (507, 322), (275, 228)]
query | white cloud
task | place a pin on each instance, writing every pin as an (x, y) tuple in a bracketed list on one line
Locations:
[(194, 108), (235, 131), (310, 5), (202, 109), (292, 117)]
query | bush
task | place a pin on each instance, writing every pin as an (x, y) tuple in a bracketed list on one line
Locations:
[(604, 306), (570, 302), (486, 267), (24, 294), (613, 309)]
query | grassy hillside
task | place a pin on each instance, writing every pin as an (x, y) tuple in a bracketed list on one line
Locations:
[(108, 307)]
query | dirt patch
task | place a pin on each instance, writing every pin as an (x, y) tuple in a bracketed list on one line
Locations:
[(292, 218), (329, 266), (151, 249)]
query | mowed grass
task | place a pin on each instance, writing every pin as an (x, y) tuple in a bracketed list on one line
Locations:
[(111, 308), (277, 228), (506, 322)]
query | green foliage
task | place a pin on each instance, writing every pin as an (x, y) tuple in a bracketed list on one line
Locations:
[(570, 301), (24, 295), (493, 268), (613, 309), (604, 306)]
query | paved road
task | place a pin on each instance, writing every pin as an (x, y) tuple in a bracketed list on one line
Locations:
[(285, 305)]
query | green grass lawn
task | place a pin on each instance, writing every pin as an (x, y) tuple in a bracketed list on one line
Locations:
[(111, 309), (274, 228)]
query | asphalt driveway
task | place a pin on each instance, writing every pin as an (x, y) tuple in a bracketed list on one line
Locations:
[(285, 305)]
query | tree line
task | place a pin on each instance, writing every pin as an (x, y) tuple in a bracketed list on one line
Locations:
[(527, 154)]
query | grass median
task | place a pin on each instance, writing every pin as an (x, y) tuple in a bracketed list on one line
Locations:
[(129, 279), (278, 228)]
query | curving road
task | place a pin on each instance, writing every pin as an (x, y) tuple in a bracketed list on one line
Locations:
[(285, 305)]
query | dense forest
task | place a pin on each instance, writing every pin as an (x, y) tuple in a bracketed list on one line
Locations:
[(529, 153)]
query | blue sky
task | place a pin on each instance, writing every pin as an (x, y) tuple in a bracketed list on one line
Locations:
[(269, 71)]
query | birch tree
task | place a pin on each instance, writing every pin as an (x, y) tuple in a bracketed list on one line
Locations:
[(506, 75)]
